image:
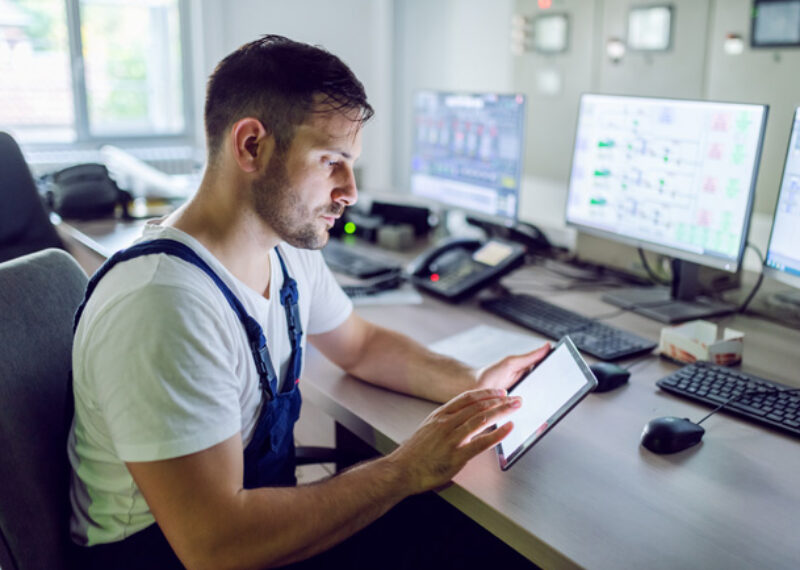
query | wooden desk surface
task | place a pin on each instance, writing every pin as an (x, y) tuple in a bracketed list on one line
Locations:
[(587, 494)]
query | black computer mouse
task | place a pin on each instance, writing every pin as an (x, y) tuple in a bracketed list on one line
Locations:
[(609, 376), (670, 434)]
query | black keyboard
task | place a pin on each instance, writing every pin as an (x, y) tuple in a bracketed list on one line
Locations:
[(598, 339), (751, 397), (374, 286), (346, 259)]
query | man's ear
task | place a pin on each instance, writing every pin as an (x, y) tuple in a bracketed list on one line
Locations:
[(252, 145)]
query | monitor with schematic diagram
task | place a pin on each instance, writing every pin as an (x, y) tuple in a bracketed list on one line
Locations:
[(671, 176)]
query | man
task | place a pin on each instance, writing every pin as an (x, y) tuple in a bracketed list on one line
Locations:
[(183, 413)]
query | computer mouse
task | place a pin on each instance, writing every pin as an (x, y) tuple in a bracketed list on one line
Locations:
[(609, 376), (670, 434)]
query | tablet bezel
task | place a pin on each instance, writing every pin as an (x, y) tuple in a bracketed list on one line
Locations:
[(506, 461)]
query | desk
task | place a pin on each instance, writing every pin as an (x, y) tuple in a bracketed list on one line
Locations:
[(587, 494)]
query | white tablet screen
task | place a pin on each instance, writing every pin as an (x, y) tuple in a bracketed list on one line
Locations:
[(558, 383)]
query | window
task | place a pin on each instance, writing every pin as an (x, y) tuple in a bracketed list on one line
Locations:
[(93, 70)]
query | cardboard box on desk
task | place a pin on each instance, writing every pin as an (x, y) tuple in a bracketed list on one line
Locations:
[(700, 340)]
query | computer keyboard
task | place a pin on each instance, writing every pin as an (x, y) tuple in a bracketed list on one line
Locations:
[(346, 259), (598, 339), (764, 401), (370, 287)]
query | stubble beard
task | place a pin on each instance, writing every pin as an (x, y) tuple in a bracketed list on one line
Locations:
[(278, 205)]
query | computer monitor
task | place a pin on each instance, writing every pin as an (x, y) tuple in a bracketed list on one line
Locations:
[(467, 151), (672, 176), (783, 254)]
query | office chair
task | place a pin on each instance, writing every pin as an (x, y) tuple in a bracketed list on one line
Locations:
[(38, 297), (24, 222)]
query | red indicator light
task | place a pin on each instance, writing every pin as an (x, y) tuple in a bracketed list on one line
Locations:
[(434, 277), (545, 4)]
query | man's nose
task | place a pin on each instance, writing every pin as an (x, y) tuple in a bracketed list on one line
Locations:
[(346, 191)]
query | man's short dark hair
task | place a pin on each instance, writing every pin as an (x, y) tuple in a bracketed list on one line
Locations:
[(279, 82)]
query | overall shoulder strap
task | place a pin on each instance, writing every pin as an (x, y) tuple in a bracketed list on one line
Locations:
[(255, 334), (289, 299)]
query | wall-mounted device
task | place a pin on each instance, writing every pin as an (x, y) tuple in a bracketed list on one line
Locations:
[(459, 267), (672, 176), (650, 28), (775, 23)]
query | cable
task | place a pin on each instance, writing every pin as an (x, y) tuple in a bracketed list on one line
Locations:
[(743, 307), (762, 391), (652, 274)]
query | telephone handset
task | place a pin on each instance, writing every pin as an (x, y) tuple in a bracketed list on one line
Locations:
[(459, 267)]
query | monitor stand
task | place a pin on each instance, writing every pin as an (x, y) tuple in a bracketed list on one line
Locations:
[(679, 303)]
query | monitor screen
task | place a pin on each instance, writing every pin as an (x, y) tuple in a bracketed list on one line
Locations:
[(467, 151), (672, 176), (783, 253)]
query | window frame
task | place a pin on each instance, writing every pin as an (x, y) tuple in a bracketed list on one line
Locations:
[(83, 135)]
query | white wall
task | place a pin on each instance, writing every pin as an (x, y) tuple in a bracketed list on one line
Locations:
[(358, 31), (456, 45), (399, 46), (769, 76)]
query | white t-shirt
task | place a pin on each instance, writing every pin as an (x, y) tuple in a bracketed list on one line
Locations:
[(162, 368)]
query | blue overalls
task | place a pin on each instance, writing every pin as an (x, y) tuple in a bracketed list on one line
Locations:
[(268, 458)]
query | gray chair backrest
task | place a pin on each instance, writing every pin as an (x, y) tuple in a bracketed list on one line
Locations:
[(38, 297)]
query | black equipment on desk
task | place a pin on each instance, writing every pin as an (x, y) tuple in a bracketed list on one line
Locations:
[(459, 267), (763, 401), (379, 284), (84, 192), (598, 339), (346, 259)]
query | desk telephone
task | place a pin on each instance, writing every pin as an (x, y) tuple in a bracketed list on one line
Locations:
[(459, 267)]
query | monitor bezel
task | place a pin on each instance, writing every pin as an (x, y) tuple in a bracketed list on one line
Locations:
[(772, 272), (729, 265), (445, 206)]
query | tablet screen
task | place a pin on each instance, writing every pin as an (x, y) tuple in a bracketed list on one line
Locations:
[(551, 390)]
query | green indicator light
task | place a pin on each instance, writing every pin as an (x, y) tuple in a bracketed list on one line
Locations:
[(666, 158), (349, 228)]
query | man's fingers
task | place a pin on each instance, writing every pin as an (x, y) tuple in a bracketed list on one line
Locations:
[(470, 398), (534, 357), (522, 363), (484, 418), (482, 442)]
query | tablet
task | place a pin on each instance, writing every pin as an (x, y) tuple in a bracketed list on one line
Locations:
[(548, 393)]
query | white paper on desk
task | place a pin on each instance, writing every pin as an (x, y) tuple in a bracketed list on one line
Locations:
[(405, 295), (482, 345)]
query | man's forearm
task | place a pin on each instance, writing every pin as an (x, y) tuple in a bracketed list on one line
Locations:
[(263, 526), (397, 362)]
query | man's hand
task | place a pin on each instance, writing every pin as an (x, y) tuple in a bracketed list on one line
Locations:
[(505, 373), (447, 438)]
